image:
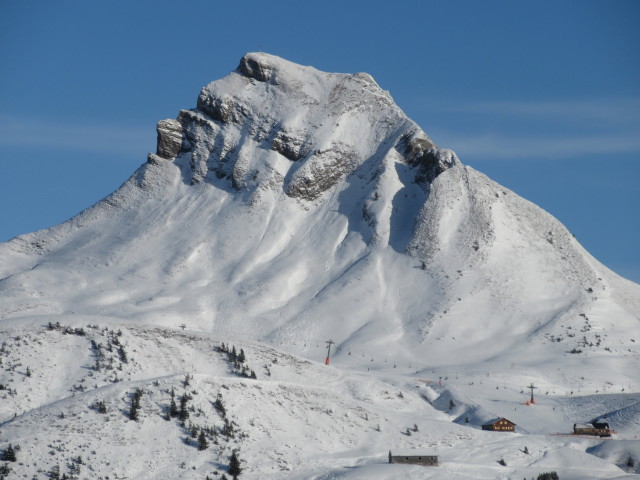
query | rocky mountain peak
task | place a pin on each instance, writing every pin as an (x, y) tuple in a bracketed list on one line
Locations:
[(273, 125), (293, 205)]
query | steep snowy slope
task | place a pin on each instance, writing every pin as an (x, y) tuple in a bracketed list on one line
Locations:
[(294, 205), (290, 207)]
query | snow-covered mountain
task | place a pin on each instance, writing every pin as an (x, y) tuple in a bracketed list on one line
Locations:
[(294, 206)]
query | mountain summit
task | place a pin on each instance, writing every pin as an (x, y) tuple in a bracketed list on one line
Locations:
[(178, 327), (293, 205), (274, 125)]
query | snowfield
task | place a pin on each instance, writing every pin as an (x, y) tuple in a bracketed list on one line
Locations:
[(297, 419), (289, 208)]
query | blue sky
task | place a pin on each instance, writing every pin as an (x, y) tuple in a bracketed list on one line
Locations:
[(544, 97)]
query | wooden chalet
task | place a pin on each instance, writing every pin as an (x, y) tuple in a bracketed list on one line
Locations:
[(424, 460), (500, 425), (597, 429)]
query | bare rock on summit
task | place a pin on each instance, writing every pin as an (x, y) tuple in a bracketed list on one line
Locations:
[(432, 163), (253, 68), (169, 138)]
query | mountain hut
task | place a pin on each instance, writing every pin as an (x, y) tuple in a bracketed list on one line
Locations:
[(500, 425), (424, 460)]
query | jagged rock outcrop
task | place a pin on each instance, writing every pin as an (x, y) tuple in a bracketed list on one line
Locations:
[(325, 125), (432, 163), (169, 138)]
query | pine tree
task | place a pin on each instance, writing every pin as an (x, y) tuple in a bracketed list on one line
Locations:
[(135, 405), (101, 407), (5, 470), (233, 356), (9, 455), (183, 413), (227, 429), (173, 408), (241, 357), (548, 476), (122, 354), (54, 473), (202, 441), (220, 406), (234, 466)]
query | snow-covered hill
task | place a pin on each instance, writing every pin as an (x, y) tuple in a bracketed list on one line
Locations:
[(290, 207)]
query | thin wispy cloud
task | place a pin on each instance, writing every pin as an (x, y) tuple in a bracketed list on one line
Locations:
[(89, 138), (618, 111), (536, 129), (503, 146)]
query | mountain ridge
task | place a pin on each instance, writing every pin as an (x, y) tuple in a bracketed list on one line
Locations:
[(291, 207), (247, 223)]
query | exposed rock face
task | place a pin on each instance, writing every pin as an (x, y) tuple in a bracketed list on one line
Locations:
[(252, 67), (322, 171), (326, 126), (432, 163), (289, 145), (169, 138)]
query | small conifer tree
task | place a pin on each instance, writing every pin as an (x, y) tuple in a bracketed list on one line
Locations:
[(219, 406), (101, 407), (5, 470), (549, 476), (234, 466), (122, 354), (173, 408), (183, 413), (135, 405), (54, 473), (9, 455), (202, 441)]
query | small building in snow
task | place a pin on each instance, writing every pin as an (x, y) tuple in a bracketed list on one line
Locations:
[(424, 460), (597, 428), (500, 425)]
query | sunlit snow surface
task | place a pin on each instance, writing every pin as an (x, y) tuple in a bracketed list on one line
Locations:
[(455, 280)]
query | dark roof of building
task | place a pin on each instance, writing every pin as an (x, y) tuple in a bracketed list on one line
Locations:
[(496, 420), (412, 454)]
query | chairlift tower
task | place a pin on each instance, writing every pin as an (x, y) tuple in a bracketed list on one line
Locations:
[(532, 386), (329, 343)]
